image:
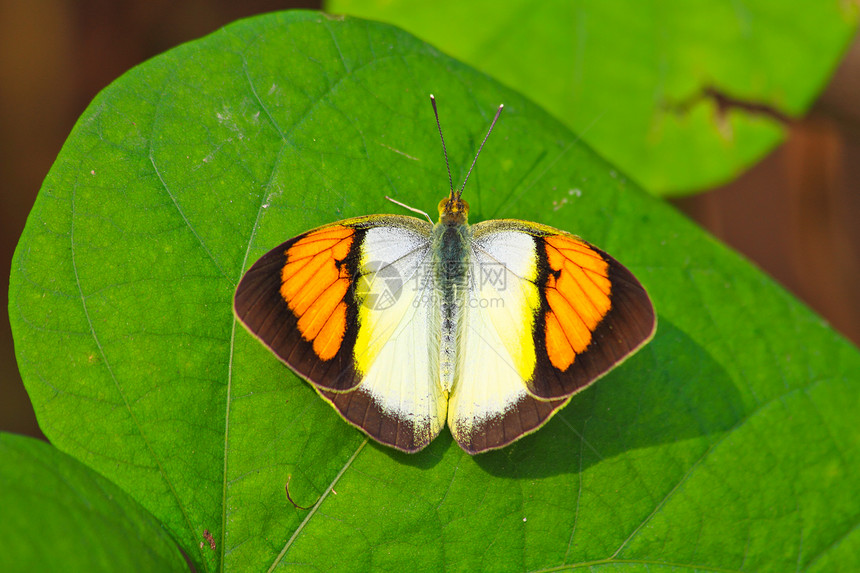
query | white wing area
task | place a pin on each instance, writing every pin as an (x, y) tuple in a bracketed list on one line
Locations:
[(397, 344), (497, 350)]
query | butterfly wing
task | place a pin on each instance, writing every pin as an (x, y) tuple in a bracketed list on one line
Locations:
[(548, 314), (342, 306)]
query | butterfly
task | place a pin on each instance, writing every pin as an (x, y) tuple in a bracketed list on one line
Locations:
[(403, 325)]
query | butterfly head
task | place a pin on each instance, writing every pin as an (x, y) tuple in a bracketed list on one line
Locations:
[(453, 210)]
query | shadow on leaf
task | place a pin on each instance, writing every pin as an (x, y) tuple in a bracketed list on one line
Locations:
[(670, 391)]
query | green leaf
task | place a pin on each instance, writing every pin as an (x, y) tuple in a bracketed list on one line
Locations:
[(642, 82), (728, 443), (59, 515)]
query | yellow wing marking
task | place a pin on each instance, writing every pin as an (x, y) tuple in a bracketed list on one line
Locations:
[(578, 296), (313, 284)]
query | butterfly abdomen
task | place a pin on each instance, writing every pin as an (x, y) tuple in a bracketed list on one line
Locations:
[(451, 280)]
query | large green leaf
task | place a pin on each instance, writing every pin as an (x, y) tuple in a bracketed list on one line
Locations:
[(643, 82), (59, 515), (728, 443)]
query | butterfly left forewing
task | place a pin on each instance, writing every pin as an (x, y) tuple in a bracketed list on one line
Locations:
[(296, 299), (338, 305)]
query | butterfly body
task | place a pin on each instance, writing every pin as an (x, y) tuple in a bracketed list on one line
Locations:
[(450, 266), (405, 327)]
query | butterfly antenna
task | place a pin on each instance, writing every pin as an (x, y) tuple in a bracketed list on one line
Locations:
[(489, 131), (444, 151)]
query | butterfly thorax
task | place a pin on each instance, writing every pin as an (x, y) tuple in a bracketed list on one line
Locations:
[(451, 279)]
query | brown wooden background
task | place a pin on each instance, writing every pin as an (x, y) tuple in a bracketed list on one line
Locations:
[(796, 214)]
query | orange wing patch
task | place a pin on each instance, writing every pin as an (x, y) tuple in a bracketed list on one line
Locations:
[(578, 292), (313, 284)]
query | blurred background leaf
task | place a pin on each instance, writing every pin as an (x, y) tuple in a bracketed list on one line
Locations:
[(681, 95), (727, 443), (59, 515)]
